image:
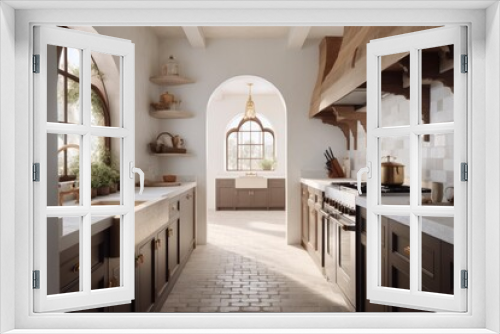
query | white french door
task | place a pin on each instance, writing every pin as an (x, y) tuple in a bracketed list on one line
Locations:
[(427, 132), (84, 120)]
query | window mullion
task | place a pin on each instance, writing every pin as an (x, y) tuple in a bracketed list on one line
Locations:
[(85, 158), (415, 106)]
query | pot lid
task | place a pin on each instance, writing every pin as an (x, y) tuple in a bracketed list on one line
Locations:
[(390, 163)]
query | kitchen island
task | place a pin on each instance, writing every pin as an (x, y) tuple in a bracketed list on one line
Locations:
[(165, 236)]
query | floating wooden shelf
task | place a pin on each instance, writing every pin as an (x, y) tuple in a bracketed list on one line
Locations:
[(170, 114), (172, 154), (170, 80)]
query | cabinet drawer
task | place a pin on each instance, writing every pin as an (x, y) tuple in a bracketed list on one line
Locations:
[(276, 183), (225, 183)]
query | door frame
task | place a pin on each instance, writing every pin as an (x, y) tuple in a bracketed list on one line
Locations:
[(475, 20)]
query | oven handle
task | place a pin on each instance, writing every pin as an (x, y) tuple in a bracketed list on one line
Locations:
[(346, 227)]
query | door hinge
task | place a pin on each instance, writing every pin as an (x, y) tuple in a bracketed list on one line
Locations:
[(36, 63), (36, 172), (465, 279), (36, 279), (464, 171), (465, 64)]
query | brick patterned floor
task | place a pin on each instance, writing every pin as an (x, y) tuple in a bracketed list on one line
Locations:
[(246, 266)]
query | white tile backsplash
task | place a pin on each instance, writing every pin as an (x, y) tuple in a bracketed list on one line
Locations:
[(437, 154)]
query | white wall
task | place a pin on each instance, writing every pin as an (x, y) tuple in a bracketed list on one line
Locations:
[(293, 72), (221, 112), (146, 65)]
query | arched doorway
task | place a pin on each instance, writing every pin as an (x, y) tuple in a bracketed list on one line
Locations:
[(225, 117)]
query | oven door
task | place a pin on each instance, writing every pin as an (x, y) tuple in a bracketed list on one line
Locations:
[(330, 243), (346, 258)]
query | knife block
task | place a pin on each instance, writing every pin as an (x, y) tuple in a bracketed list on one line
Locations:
[(335, 171)]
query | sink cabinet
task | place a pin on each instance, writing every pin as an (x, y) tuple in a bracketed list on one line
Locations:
[(228, 197)]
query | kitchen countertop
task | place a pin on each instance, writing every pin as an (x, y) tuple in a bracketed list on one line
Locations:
[(260, 175), (438, 227), (320, 184)]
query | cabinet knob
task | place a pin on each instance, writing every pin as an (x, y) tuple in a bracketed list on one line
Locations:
[(158, 243), (189, 196), (76, 267), (139, 259), (407, 250), (170, 232)]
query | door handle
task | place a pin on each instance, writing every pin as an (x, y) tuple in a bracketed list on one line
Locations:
[(368, 171), (139, 171)]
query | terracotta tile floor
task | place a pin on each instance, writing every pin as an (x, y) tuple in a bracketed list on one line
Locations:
[(247, 267)]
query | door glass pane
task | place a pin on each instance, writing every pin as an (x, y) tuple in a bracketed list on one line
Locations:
[(437, 254), (395, 170), (395, 252), (395, 90), (63, 85), (63, 170), (63, 255), (106, 175), (105, 103), (105, 252), (437, 172), (436, 101)]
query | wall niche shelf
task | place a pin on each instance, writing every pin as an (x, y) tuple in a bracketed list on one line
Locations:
[(170, 114), (172, 154), (170, 80)]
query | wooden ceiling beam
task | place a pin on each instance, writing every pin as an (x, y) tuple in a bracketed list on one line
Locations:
[(297, 37), (195, 36)]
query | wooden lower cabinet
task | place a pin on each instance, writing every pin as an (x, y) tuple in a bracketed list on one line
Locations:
[(188, 228), (145, 280), (305, 215), (161, 248), (173, 247), (312, 224), (271, 198), (437, 262)]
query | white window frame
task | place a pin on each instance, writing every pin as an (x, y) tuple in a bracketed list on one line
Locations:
[(87, 43), (476, 320), (414, 43)]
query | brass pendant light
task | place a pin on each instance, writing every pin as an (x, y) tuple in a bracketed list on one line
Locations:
[(250, 106)]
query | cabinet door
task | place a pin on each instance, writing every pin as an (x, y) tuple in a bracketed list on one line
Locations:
[(161, 248), (277, 198), (173, 247), (243, 198), (226, 198), (187, 228), (145, 261), (259, 198), (312, 222), (431, 263), (305, 215)]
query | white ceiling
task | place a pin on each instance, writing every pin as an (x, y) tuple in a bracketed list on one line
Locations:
[(247, 32)]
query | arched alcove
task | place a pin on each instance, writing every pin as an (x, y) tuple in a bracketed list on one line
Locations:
[(225, 106)]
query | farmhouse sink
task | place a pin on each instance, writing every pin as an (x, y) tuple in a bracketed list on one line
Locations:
[(250, 182)]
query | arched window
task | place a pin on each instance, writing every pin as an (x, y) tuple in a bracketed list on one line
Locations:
[(68, 108), (249, 146)]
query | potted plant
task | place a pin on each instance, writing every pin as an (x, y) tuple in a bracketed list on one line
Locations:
[(114, 181), (267, 164), (103, 178)]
